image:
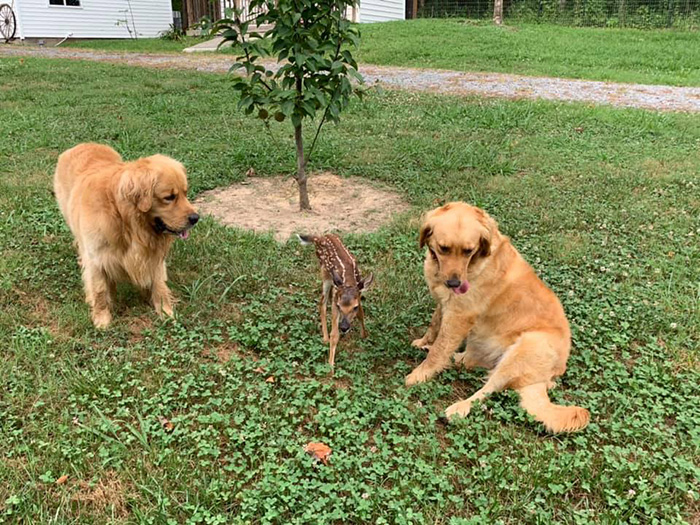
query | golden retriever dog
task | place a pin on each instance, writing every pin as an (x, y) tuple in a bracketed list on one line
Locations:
[(490, 298), (124, 217)]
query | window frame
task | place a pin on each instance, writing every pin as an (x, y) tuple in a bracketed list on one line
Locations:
[(64, 5)]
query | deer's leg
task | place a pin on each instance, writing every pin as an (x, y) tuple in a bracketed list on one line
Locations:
[(323, 307), (433, 330), (335, 334), (361, 318)]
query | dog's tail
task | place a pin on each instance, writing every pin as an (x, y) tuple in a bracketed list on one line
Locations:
[(307, 239), (556, 418)]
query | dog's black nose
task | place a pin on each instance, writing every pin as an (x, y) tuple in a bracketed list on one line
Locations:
[(453, 283), (193, 218)]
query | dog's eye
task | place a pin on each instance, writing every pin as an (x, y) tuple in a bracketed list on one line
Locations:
[(467, 251), (170, 198), (444, 249)]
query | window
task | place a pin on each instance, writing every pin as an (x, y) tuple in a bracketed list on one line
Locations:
[(69, 3)]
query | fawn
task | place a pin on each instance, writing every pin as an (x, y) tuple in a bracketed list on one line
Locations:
[(342, 285)]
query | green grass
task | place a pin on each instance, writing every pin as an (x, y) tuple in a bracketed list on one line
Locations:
[(141, 45), (619, 55), (603, 202)]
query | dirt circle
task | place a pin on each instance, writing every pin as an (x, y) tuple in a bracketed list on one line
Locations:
[(272, 205)]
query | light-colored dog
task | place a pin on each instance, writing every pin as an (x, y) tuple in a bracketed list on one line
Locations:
[(488, 296), (124, 217)]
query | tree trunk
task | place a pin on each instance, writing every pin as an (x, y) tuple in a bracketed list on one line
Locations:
[(301, 170), (498, 12), (301, 161)]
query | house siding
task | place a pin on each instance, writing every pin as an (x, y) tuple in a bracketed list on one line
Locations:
[(93, 19), (382, 10)]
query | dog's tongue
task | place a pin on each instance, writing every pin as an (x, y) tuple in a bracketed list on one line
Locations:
[(462, 288), (184, 234)]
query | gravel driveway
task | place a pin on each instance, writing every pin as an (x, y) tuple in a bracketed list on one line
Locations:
[(661, 98)]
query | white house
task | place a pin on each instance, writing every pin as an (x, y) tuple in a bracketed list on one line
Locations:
[(366, 11), (92, 18), (380, 11)]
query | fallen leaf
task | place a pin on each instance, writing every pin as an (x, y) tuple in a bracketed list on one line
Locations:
[(578, 130), (318, 451), (270, 380), (62, 479), (259, 370), (250, 172), (166, 424)]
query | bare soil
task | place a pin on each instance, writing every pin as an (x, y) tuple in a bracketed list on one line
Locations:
[(272, 205)]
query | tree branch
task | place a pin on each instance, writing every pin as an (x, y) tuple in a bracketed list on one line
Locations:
[(245, 50), (325, 113)]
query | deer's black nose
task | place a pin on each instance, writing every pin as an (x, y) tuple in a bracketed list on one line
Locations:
[(344, 326), (193, 218), (453, 283)]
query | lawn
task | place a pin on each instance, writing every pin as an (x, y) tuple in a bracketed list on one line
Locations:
[(619, 55), (178, 422), (141, 45)]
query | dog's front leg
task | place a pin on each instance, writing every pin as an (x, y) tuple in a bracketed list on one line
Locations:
[(433, 330), (453, 331), (161, 297), (98, 294)]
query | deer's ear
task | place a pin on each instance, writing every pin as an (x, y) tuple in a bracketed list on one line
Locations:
[(365, 282), (337, 281)]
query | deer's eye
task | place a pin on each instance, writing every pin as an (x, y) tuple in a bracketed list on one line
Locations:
[(355, 309)]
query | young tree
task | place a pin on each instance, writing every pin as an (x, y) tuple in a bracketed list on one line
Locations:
[(311, 41)]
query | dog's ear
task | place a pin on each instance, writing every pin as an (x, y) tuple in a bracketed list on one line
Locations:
[(490, 228), (137, 185), (425, 232), (365, 282), (426, 229)]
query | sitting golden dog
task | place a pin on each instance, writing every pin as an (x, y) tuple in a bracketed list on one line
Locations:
[(488, 296), (124, 217)]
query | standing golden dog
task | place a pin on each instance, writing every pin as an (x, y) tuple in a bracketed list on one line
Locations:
[(124, 217), (489, 296)]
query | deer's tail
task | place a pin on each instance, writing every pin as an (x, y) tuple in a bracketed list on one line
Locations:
[(556, 418), (306, 239)]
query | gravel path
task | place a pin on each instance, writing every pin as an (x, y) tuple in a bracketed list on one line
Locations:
[(662, 98)]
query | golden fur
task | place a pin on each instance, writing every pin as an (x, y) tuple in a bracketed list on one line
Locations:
[(124, 217), (489, 296)]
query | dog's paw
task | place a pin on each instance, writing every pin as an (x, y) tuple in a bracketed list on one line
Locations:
[(420, 343), (419, 375), (459, 409), (101, 319), (167, 310)]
